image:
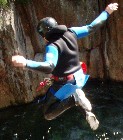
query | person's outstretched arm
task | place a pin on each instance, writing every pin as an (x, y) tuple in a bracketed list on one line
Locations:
[(50, 61), (97, 23)]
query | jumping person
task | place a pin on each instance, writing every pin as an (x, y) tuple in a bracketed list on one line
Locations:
[(62, 61)]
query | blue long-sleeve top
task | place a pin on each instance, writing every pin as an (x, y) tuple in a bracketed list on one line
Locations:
[(51, 54)]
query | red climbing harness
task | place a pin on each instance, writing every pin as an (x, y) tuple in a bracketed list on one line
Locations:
[(48, 81)]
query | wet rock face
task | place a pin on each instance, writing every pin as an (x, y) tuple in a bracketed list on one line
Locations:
[(102, 51), (17, 86)]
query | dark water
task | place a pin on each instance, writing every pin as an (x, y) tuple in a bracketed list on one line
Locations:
[(27, 122)]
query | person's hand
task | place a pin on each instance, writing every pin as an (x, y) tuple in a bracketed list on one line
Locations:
[(111, 8), (18, 61)]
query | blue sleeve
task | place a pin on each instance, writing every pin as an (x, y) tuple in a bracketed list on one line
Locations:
[(51, 54), (102, 17), (86, 30), (50, 60)]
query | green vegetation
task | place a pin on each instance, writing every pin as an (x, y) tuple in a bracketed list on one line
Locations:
[(3, 2)]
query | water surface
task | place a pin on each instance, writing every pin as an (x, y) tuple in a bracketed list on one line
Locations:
[(27, 122)]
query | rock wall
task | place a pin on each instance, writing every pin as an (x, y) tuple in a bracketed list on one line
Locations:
[(17, 86), (102, 51)]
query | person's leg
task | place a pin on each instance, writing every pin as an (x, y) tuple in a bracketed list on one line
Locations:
[(81, 100), (53, 107), (84, 103), (58, 108)]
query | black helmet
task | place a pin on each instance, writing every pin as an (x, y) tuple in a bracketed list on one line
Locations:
[(45, 25)]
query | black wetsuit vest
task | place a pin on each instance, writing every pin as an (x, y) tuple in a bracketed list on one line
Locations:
[(68, 59)]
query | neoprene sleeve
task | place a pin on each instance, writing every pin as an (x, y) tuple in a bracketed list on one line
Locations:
[(40, 66), (86, 30), (50, 61)]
